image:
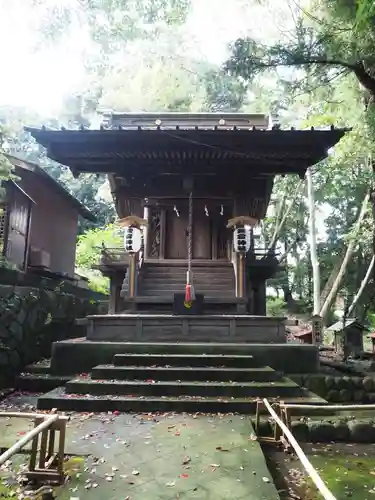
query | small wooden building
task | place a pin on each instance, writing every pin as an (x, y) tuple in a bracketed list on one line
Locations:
[(302, 334), (39, 221), (348, 338), (372, 338)]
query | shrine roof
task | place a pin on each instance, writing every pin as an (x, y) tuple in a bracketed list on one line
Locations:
[(162, 142)]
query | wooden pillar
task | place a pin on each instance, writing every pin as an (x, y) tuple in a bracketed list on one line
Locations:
[(260, 306), (146, 232), (241, 276), (28, 233), (112, 295), (132, 275), (214, 238), (163, 232)]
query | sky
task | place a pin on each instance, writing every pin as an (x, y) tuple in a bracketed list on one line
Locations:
[(39, 78)]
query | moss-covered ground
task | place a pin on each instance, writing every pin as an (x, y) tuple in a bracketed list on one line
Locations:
[(347, 469)]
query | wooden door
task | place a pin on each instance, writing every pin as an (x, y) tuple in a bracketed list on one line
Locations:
[(176, 235), (18, 229), (202, 240)]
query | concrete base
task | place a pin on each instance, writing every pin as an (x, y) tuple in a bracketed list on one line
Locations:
[(178, 328), (70, 357)]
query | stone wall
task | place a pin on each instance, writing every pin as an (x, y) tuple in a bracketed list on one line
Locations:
[(339, 389), (31, 319), (331, 429)]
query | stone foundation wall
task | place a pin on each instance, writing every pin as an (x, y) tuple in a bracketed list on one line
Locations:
[(331, 429), (339, 389), (31, 319)]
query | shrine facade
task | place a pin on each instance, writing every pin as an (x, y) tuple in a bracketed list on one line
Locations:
[(192, 179)]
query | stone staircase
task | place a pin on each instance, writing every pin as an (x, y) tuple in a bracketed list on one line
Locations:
[(205, 379)]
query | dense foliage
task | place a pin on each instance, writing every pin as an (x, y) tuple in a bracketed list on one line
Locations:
[(318, 71), (89, 250)]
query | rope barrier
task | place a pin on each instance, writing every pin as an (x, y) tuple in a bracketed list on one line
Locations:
[(189, 291), (319, 483)]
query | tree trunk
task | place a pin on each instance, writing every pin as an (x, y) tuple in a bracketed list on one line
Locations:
[(330, 281), (280, 225), (312, 237), (363, 286), (348, 255)]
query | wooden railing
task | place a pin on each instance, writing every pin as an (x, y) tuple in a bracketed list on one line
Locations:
[(115, 255), (46, 463), (287, 435)]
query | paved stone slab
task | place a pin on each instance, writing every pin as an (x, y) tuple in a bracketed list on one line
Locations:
[(151, 457)]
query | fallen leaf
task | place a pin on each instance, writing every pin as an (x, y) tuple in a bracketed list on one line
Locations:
[(186, 460), (265, 480), (220, 448), (135, 472), (171, 484), (184, 476)]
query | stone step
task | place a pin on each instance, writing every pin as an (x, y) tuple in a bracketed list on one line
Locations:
[(146, 373), (60, 399), (282, 388), (84, 354), (180, 360), (40, 382), (41, 367)]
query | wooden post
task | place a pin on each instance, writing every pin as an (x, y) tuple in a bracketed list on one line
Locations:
[(112, 294), (163, 229), (241, 276), (132, 271), (317, 329)]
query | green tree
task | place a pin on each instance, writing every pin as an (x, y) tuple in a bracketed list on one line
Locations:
[(333, 39), (5, 165), (110, 22), (89, 251)]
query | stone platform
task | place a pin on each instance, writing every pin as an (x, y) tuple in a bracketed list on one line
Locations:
[(153, 377), (231, 328)]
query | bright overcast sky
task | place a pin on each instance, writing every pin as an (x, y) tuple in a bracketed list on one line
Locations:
[(39, 79)]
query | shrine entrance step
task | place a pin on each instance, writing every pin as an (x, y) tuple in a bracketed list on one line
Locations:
[(178, 377)]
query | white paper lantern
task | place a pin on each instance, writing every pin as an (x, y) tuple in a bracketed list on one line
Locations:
[(132, 239), (242, 239)]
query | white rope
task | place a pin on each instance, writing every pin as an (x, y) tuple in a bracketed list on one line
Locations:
[(190, 238)]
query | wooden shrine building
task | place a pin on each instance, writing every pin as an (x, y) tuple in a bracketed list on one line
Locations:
[(227, 162)]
